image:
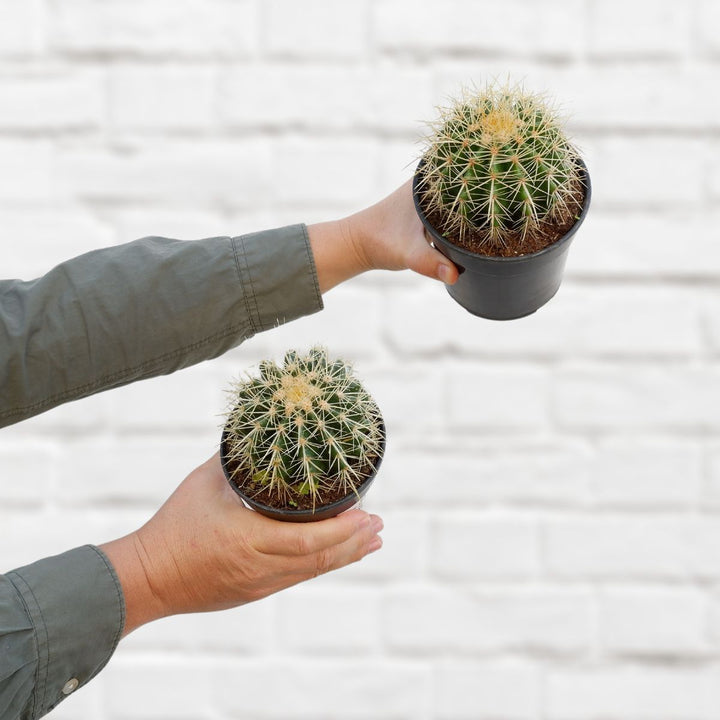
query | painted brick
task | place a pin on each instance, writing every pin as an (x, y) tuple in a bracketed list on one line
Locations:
[(389, 97), (708, 26), (714, 619), (306, 171), (21, 28), (713, 190), (711, 321), (226, 28), (191, 399), (466, 621), (315, 29), (660, 97), (647, 473), (508, 472), (111, 471), (632, 173), (411, 398), (156, 688), (638, 396), (494, 398), (646, 246), (472, 690), (326, 620), (402, 557), (643, 693), (483, 546), (500, 28), (711, 494), (358, 340), (648, 547), (285, 689), (201, 172), (640, 28), (49, 531), (28, 470), (146, 97), (580, 320), (247, 629), (653, 621), (27, 171), (52, 103)]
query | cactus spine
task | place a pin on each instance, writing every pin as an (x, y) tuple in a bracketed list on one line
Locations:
[(303, 427), (497, 165)]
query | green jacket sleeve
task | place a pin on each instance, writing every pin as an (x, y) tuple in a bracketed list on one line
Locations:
[(142, 309), (60, 621), (99, 321)]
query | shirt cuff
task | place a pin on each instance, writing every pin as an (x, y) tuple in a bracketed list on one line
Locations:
[(76, 605), (278, 274)]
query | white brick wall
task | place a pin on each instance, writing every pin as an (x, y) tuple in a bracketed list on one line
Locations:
[(551, 491)]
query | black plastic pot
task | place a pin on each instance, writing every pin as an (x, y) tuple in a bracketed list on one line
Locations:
[(500, 288), (321, 512)]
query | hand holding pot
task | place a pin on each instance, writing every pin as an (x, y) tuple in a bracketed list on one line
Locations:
[(385, 236), (203, 551)]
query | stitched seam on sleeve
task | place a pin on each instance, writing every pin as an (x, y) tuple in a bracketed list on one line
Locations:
[(311, 263), (88, 388), (38, 694), (249, 297), (121, 605)]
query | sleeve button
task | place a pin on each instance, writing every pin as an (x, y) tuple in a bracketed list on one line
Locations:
[(70, 686)]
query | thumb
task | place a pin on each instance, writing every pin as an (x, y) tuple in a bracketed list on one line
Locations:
[(433, 264)]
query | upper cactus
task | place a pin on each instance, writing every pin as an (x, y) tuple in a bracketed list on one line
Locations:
[(303, 427), (496, 166)]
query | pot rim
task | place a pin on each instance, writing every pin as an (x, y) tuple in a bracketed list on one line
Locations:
[(585, 176)]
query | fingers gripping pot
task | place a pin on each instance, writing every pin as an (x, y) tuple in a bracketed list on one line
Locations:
[(303, 440)]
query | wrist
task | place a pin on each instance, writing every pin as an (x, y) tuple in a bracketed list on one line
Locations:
[(339, 250), (143, 602)]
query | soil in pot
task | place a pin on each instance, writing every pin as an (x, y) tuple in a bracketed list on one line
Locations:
[(515, 245), (296, 502)]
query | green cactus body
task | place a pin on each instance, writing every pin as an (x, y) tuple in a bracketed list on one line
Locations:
[(303, 428), (497, 165)]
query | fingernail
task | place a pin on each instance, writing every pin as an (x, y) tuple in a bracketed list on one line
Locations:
[(377, 523), (444, 273)]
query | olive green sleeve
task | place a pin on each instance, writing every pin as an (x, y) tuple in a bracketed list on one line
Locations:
[(146, 308), (60, 621)]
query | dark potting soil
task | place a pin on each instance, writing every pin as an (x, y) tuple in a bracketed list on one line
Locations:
[(549, 232), (302, 502)]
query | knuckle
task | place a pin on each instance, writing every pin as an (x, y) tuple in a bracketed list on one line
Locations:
[(323, 562), (302, 544)]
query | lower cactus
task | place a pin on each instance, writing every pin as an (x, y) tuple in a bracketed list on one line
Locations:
[(303, 428)]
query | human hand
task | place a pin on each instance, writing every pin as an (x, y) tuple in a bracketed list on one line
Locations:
[(204, 550), (390, 236), (385, 236)]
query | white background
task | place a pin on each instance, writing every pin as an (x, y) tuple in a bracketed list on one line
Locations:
[(551, 490)]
